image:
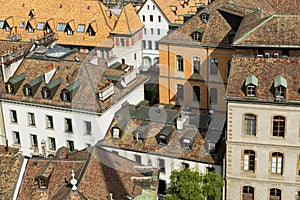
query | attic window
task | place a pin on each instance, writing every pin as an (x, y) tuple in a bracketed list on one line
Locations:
[(43, 183), (66, 96), (280, 86), (31, 13), (188, 139), (118, 129), (204, 17), (80, 28), (61, 26), (30, 26), (164, 135), (27, 91), (91, 31), (14, 83), (46, 93), (251, 85), (22, 24), (197, 35), (10, 88), (40, 26)]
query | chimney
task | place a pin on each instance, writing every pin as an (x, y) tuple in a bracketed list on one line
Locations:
[(49, 72)]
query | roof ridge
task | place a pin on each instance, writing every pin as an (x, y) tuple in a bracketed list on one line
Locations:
[(104, 16), (254, 29), (127, 21)]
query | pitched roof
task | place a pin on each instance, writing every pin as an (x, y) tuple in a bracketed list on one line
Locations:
[(266, 70), (189, 7), (149, 142), (285, 7), (128, 22), (61, 11), (69, 74), (274, 31), (10, 166), (224, 19)]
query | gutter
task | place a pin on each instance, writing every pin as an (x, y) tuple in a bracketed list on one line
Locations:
[(20, 179)]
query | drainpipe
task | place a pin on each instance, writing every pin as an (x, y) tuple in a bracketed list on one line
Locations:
[(20, 178), (169, 73), (207, 78)]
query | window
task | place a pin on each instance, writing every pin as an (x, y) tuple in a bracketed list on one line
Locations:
[(251, 90), (298, 165), (298, 195), (152, 31), (149, 44), (61, 26), (66, 96), (42, 183), (161, 165), (52, 145), (249, 160), (91, 31), (30, 29), (46, 94), (13, 116), (204, 17), (70, 145), (49, 121), (213, 96), (197, 36), (68, 125), (280, 92), (138, 159), (275, 194), (248, 193), (214, 65), (196, 93), (31, 119), (156, 45), (250, 124), (228, 67), (33, 140), (159, 18), (122, 41), (153, 7), (16, 137), (278, 126), (40, 26), (80, 28), (180, 92), (197, 64), (145, 31), (148, 7), (134, 56), (27, 91), (179, 63), (144, 44), (277, 163), (184, 165), (158, 31), (151, 18), (8, 29), (143, 18), (69, 31), (22, 24), (88, 127)]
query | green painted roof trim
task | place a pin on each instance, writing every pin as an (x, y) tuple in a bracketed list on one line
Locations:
[(280, 81), (54, 83), (200, 30), (115, 65), (251, 80), (73, 86), (113, 78), (35, 81), (17, 79)]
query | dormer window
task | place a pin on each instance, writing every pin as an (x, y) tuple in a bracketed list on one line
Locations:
[(30, 26), (31, 13), (49, 90), (140, 133), (118, 128), (27, 91), (204, 17), (188, 139), (42, 183), (197, 35), (92, 29), (14, 83), (49, 26), (10, 89), (251, 85), (46, 94), (70, 27), (164, 135), (280, 86), (65, 96)]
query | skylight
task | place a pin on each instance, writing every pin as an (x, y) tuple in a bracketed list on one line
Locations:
[(61, 26), (80, 28), (1, 24), (40, 26), (22, 24)]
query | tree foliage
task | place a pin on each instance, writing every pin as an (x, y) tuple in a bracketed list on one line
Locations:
[(187, 184)]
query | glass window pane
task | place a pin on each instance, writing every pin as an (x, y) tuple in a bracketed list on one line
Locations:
[(40, 26), (80, 28)]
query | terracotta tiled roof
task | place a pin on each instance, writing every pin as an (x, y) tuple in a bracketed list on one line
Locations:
[(75, 12), (90, 78), (277, 30), (109, 173), (10, 165), (285, 7), (216, 30), (128, 22), (174, 149), (266, 70), (189, 7)]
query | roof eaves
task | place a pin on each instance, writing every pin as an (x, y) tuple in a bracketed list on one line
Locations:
[(280, 81)]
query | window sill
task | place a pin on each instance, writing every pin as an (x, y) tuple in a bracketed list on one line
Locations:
[(50, 129), (276, 176), (69, 132), (32, 126), (16, 145), (16, 123), (249, 173), (249, 136)]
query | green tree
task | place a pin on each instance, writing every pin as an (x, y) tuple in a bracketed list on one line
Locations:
[(190, 185)]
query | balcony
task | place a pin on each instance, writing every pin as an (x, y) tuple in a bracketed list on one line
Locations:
[(106, 92), (12, 55), (128, 77), (14, 37)]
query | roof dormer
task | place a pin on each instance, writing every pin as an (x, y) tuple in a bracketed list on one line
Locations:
[(31, 25), (140, 133), (14, 83), (204, 16), (67, 93), (31, 87), (118, 129), (31, 13), (173, 9), (280, 86), (70, 27), (164, 135), (49, 90), (92, 28), (187, 140), (43, 177), (251, 84), (197, 34)]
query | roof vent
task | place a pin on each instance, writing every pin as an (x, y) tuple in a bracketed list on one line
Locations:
[(267, 55), (276, 55)]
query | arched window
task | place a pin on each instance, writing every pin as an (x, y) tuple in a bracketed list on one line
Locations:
[(249, 160), (278, 126), (196, 93), (214, 66), (277, 163), (179, 63), (248, 193), (197, 64), (275, 194)]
